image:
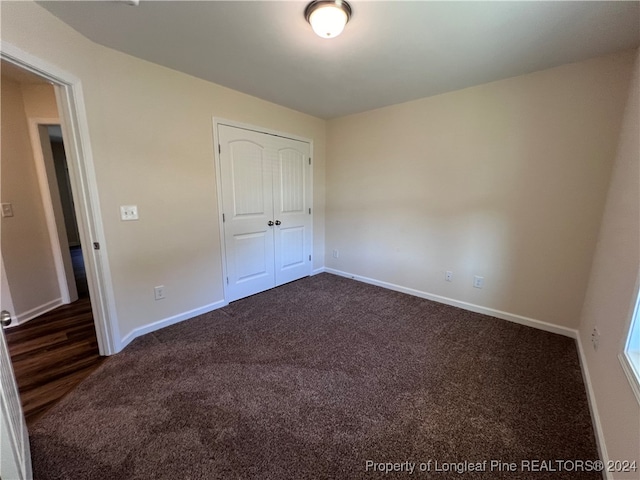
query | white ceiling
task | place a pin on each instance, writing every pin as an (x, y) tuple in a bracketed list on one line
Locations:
[(390, 51)]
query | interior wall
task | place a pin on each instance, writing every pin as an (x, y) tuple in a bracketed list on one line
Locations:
[(612, 292), (151, 140), (505, 180), (39, 101), (26, 247)]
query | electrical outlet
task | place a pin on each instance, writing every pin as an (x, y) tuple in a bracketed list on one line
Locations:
[(595, 338), (7, 210), (448, 276), (159, 292), (336, 254), (478, 281)]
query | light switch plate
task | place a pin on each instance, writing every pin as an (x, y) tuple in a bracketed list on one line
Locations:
[(7, 210), (128, 212)]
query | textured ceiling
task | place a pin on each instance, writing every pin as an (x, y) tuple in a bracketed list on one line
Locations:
[(390, 52)]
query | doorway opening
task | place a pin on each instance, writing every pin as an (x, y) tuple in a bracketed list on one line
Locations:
[(63, 182), (54, 344), (69, 113), (19, 274)]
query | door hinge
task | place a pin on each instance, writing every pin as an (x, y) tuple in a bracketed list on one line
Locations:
[(309, 257), (96, 245), (227, 280), (219, 149), (309, 160), (309, 211), (223, 220)]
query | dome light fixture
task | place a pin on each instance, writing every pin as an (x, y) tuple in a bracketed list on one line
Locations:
[(328, 17)]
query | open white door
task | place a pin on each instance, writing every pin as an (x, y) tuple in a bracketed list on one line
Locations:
[(15, 456)]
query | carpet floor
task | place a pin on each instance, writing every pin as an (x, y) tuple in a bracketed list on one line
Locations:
[(326, 378)]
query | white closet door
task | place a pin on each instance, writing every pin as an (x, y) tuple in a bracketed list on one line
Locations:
[(266, 201), (247, 196), (292, 204)]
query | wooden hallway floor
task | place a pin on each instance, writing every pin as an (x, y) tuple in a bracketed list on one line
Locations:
[(52, 354)]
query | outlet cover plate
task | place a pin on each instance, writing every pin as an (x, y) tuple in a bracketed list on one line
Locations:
[(128, 212), (7, 210), (158, 292)]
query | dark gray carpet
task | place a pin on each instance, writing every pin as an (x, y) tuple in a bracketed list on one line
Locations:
[(312, 380)]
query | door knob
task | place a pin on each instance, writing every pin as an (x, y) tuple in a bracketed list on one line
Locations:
[(278, 222), (270, 223), (5, 318)]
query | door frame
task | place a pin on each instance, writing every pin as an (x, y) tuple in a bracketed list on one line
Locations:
[(75, 133), (63, 275), (216, 150)]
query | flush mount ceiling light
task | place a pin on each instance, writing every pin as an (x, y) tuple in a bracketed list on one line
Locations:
[(328, 17)]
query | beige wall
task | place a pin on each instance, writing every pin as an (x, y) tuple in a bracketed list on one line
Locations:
[(505, 180), (612, 292), (39, 101), (26, 247), (151, 139)]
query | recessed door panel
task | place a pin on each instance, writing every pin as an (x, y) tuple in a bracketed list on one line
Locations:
[(292, 173), (248, 178), (251, 255), (292, 243)]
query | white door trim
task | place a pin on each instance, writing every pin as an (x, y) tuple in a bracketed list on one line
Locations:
[(216, 142), (45, 192), (75, 132)]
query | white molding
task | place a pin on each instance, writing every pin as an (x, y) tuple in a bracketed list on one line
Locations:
[(75, 131), (318, 271), (36, 65), (311, 205), (630, 352), (165, 322), (24, 317), (530, 322), (630, 371), (593, 408), (47, 203), (88, 215), (218, 168), (511, 317)]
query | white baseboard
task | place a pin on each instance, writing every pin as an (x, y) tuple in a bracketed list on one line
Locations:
[(165, 322), (530, 322), (593, 408), (511, 317), (21, 318)]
